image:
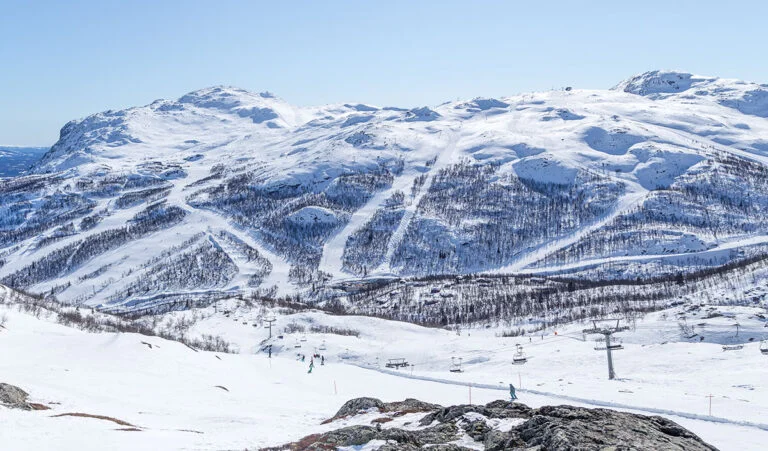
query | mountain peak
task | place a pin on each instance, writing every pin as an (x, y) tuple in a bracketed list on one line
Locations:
[(226, 97), (659, 82)]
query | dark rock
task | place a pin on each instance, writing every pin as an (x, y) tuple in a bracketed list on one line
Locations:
[(561, 428), (410, 405), (448, 414), (358, 405), (477, 429), (348, 436), (13, 397), (441, 433), (551, 428)]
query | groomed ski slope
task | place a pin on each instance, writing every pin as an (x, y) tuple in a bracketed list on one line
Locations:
[(174, 396), (648, 133)]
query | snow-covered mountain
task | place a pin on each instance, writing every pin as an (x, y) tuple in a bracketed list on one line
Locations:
[(225, 191), (17, 160)]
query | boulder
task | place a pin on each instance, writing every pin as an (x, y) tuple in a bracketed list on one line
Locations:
[(13, 397), (561, 428), (358, 405)]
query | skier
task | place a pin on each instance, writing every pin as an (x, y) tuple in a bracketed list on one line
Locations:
[(512, 394), (322, 360), (311, 365), (302, 357), (270, 351)]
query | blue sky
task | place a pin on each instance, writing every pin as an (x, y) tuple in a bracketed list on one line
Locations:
[(64, 60)]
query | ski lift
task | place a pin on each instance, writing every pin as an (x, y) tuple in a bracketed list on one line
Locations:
[(322, 346), (616, 344), (519, 358), (600, 344), (396, 363), (732, 347), (764, 347), (456, 365), (303, 338), (297, 345)]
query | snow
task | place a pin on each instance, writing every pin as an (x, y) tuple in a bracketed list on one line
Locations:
[(172, 393), (646, 134)]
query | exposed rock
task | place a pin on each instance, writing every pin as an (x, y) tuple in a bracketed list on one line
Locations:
[(561, 428), (358, 405), (495, 409), (13, 397), (410, 405), (550, 428)]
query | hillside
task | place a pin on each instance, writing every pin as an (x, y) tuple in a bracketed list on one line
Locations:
[(225, 191), (99, 385)]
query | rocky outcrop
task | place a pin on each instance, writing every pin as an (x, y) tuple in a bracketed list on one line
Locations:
[(363, 405), (550, 428), (564, 428), (494, 409), (13, 397)]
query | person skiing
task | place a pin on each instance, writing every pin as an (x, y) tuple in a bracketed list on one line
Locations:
[(302, 357), (311, 365), (322, 360), (512, 394)]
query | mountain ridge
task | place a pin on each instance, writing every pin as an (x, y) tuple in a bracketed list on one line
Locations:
[(664, 173)]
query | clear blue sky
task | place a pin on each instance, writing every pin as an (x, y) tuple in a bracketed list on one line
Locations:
[(61, 60)]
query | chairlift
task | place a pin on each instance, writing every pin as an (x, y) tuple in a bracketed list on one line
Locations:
[(297, 345), (764, 347), (456, 365), (732, 347), (396, 363), (322, 346), (303, 338), (616, 344), (519, 358)]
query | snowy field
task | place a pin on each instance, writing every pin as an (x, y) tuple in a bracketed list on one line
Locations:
[(178, 398)]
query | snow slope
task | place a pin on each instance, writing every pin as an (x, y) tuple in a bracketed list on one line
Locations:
[(174, 395), (664, 168)]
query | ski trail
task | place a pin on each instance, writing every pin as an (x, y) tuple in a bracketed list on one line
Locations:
[(709, 253), (246, 268), (333, 251), (625, 203), (444, 158), (277, 277), (209, 222), (587, 401)]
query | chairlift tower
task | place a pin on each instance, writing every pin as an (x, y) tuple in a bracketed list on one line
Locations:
[(607, 332), (269, 322)]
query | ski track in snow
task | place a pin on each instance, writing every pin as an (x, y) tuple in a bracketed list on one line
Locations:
[(445, 157), (587, 401), (585, 264), (625, 203), (333, 251)]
